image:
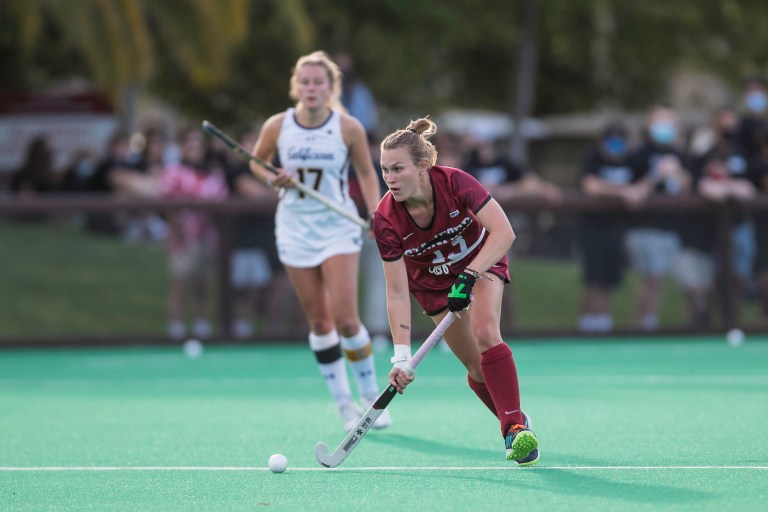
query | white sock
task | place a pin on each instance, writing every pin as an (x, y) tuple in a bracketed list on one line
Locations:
[(202, 328), (359, 352), (242, 328), (327, 351), (176, 329)]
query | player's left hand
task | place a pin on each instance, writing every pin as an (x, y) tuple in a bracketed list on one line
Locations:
[(401, 374), (400, 378), (460, 295)]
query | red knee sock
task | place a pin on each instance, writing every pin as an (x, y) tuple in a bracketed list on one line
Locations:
[(481, 390), (500, 376)]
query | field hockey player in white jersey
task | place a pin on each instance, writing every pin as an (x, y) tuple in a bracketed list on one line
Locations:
[(316, 141)]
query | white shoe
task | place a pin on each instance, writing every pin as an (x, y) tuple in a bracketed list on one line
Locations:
[(242, 329), (202, 328), (384, 420), (350, 414), (177, 330)]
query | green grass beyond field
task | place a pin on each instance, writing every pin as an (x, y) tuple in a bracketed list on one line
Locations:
[(58, 280)]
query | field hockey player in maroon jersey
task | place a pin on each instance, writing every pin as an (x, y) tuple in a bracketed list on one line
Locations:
[(444, 240)]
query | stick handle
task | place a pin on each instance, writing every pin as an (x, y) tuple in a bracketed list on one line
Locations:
[(240, 150), (432, 339), (212, 129), (331, 460)]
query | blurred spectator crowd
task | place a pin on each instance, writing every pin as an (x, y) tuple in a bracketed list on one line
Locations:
[(725, 160)]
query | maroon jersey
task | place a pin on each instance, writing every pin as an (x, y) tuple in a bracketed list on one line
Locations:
[(436, 255)]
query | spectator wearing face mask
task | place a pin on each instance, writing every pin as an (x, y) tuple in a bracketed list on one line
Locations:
[(755, 115), (719, 174), (605, 172), (654, 241), (717, 182)]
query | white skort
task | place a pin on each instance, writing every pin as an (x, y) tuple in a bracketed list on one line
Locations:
[(307, 239)]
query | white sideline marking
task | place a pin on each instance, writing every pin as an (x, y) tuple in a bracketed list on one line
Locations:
[(639, 379), (372, 468)]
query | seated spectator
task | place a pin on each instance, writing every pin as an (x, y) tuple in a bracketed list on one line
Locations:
[(119, 158), (36, 172), (35, 176), (139, 174), (605, 172), (142, 180), (76, 175)]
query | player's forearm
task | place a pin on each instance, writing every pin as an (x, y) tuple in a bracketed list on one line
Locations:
[(260, 173), (369, 185), (495, 248), (595, 187), (399, 312)]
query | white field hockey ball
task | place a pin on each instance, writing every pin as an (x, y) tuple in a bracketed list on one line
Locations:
[(278, 463)]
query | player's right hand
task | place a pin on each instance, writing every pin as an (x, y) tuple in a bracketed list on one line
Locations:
[(283, 179), (460, 295)]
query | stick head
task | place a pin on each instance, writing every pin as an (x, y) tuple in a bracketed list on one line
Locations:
[(321, 454)]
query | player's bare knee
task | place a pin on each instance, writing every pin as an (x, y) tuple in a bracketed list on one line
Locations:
[(320, 326), (348, 328), (487, 336)]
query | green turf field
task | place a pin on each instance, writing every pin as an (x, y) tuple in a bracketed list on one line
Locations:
[(623, 425)]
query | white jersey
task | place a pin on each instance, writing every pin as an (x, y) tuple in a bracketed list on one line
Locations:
[(307, 231), (318, 157)]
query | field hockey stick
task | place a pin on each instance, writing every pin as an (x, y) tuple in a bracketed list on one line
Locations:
[(331, 460), (211, 129)]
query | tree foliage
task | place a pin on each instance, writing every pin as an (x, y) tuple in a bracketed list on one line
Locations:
[(230, 60), (119, 42)]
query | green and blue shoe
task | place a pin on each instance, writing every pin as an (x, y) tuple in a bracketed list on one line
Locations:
[(522, 445)]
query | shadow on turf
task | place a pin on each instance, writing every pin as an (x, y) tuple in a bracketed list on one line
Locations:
[(559, 481), (573, 482), (431, 447)]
